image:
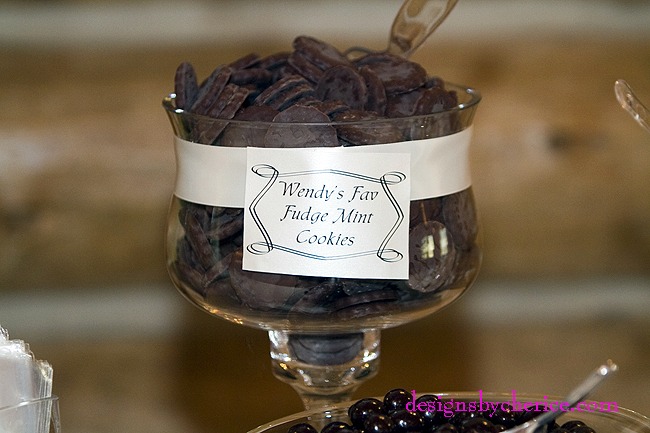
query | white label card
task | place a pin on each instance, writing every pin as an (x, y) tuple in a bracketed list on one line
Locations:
[(322, 212)]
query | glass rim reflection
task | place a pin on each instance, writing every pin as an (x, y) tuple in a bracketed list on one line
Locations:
[(31, 402)]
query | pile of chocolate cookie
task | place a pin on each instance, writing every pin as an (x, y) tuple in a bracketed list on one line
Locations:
[(316, 95), (315, 83)]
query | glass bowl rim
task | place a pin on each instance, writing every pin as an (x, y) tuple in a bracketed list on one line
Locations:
[(622, 412), (475, 98), (35, 401)]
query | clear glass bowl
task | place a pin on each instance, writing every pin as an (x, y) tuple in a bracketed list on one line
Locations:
[(620, 421), (204, 242), (33, 416), (324, 327)]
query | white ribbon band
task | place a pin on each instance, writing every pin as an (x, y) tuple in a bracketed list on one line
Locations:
[(216, 176)]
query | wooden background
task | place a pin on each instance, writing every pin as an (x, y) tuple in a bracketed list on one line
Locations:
[(561, 175)]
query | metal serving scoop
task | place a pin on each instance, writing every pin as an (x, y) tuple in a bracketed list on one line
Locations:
[(632, 104), (577, 395), (415, 22)]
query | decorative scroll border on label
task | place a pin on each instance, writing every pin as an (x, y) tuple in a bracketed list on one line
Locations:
[(309, 212)]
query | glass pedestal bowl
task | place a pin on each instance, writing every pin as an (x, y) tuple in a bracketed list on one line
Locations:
[(602, 417), (323, 234)]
